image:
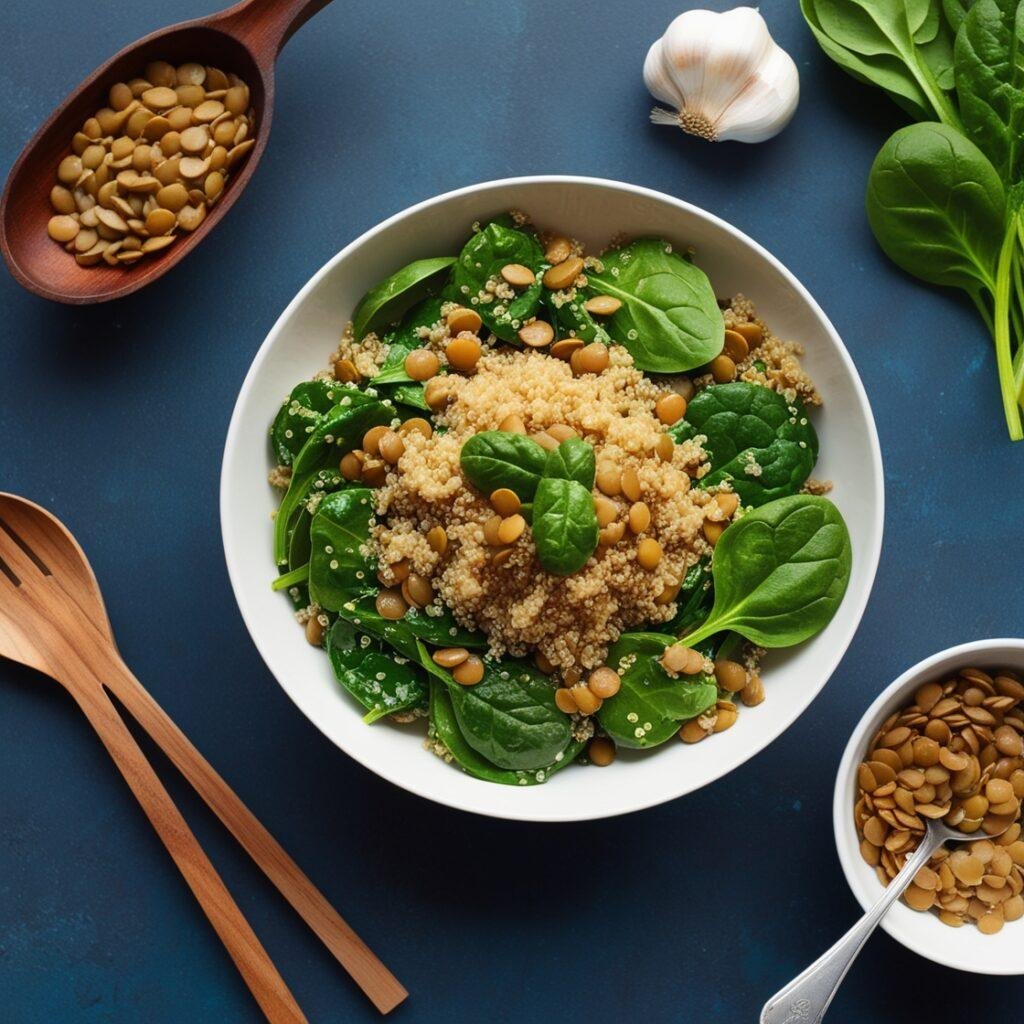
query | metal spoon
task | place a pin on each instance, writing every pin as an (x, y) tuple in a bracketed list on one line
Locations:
[(806, 998), (244, 39), (52, 618)]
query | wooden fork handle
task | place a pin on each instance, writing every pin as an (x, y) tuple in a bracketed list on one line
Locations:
[(251, 959), (383, 989)]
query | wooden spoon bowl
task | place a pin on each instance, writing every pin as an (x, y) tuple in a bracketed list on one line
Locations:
[(244, 39)]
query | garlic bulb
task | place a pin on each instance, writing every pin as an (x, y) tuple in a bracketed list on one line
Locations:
[(723, 75)]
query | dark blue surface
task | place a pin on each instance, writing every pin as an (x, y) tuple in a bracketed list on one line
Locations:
[(114, 417)]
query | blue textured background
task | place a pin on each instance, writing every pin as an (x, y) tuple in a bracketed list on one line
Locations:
[(114, 417)]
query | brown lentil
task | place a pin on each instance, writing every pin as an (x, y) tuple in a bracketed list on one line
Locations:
[(505, 501), (565, 701), (592, 358), (513, 424), (511, 529), (670, 408), (602, 305), (730, 675), (449, 657), (417, 590), (517, 275), (371, 439), (463, 352), (604, 682), (421, 364), (601, 751), (736, 347), (564, 348), (682, 660), (648, 553), (562, 275), (639, 517), (437, 539), (390, 605), (417, 424), (462, 319), (587, 701), (469, 672), (723, 369), (536, 334), (557, 250)]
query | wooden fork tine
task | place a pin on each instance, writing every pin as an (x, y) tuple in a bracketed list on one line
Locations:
[(16, 553)]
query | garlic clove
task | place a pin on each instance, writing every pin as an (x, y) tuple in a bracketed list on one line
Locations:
[(723, 76)]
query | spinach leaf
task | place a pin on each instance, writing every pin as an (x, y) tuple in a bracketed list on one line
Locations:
[(411, 396), (762, 444), (338, 432), (780, 572), (497, 458), (482, 258), (693, 603), (341, 567), (382, 684), (386, 303), (298, 539), (510, 716), (903, 46), (573, 459), (650, 704), (937, 207), (990, 82), (402, 634), (444, 728), (955, 12), (571, 320), (405, 339), (294, 504), (669, 320), (299, 415), (564, 525)]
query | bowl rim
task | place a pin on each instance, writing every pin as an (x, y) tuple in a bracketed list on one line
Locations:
[(845, 835), (641, 801)]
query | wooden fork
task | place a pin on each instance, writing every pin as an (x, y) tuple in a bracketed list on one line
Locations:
[(52, 618)]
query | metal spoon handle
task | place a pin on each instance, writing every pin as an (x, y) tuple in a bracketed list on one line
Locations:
[(806, 998)]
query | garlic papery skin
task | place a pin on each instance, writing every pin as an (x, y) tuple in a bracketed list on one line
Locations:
[(723, 76)]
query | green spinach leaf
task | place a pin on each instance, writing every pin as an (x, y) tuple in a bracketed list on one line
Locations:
[(780, 572), (402, 634), (382, 684), (669, 320), (341, 567), (937, 207), (386, 303), (571, 320), (764, 445), (338, 432), (444, 728), (990, 83), (482, 259), (509, 717), (903, 46), (564, 525), (693, 604), (650, 704), (497, 458), (573, 459), (299, 415), (405, 339)]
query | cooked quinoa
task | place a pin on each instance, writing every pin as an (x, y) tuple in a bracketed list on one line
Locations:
[(569, 620)]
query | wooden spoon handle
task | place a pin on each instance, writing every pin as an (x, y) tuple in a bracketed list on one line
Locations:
[(266, 25), (251, 959), (383, 989)]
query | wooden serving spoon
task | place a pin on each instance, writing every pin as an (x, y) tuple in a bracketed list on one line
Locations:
[(52, 618), (244, 39)]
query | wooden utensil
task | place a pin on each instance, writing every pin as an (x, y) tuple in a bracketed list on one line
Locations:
[(245, 39), (52, 618)]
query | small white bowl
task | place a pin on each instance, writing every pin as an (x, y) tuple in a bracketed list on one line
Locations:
[(966, 948), (594, 211)]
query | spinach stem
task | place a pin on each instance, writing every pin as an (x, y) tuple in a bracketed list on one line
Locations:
[(290, 579), (1001, 317)]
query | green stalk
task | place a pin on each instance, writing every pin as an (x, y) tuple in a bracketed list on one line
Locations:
[(1001, 318), (1018, 358), (940, 101), (290, 579)]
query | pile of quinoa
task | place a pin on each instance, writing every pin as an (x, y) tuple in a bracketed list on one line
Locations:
[(570, 620)]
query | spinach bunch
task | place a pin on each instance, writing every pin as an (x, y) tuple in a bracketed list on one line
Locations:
[(944, 196), (556, 487)]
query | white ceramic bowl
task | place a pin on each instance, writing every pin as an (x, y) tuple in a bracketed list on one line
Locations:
[(963, 948), (594, 211)]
